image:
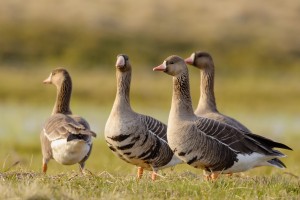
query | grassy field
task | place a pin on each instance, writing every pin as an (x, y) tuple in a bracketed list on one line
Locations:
[(255, 46), (110, 178)]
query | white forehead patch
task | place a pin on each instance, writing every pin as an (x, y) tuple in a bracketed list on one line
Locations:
[(164, 64), (193, 56)]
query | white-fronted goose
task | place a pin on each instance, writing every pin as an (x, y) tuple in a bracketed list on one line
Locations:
[(135, 138), (65, 138), (206, 143), (207, 106)]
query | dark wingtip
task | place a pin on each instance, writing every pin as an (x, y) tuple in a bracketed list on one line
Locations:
[(94, 134), (277, 162), (283, 146), (269, 142)]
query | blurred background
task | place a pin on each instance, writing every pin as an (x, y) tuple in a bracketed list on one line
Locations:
[(255, 46)]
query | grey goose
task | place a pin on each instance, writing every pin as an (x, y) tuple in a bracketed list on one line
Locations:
[(207, 106), (65, 137), (136, 138), (206, 143)]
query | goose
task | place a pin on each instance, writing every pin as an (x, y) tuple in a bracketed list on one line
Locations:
[(65, 137), (207, 106), (206, 143), (136, 138)]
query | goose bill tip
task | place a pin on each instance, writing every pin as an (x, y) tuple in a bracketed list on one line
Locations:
[(47, 81), (159, 68), (189, 60)]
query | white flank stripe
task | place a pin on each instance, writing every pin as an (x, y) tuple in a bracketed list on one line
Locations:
[(246, 162)]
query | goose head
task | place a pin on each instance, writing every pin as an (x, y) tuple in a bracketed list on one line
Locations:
[(122, 63), (200, 59), (57, 77), (173, 65)]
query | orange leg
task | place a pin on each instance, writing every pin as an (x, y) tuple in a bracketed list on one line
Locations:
[(211, 177), (140, 172), (45, 168), (214, 176), (153, 176)]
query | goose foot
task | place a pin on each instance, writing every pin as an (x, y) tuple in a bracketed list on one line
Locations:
[(140, 172), (211, 177), (153, 176), (44, 168)]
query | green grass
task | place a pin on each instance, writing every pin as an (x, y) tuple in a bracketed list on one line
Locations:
[(103, 185), (108, 177)]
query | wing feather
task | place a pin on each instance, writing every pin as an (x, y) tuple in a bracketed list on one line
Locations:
[(60, 126), (156, 127)]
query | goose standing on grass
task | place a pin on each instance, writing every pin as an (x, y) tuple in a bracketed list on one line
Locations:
[(206, 143), (135, 138), (207, 106), (65, 137)]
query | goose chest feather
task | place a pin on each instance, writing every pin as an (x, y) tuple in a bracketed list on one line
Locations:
[(206, 143)]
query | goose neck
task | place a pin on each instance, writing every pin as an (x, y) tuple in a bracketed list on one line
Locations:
[(62, 103), (122, 100), (181, 99), (207, 102)]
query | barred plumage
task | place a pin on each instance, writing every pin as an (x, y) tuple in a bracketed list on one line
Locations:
[(139, 139)]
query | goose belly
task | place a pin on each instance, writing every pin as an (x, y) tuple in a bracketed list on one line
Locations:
[(130, 156), (69, 153), (248, 161)]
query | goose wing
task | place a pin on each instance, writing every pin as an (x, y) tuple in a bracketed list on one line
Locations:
[(59, 126), (83, 122), (237, 140), (155, 126)]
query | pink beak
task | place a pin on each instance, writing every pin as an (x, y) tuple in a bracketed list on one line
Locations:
[(161, 67), (47, 80), (189, 60), (120, 61)]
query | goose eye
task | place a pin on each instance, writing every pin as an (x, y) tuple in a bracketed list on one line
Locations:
[(171, 62)]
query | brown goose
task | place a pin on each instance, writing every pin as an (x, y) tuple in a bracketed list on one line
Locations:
[(65, 138), (135, 138), (206, 143), (207, 106)]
